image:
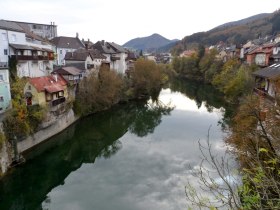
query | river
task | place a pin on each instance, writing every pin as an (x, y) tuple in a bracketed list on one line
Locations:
[(134, 156)]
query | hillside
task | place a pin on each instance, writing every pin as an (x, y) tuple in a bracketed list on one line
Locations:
[(150, 43), (237, 32), (244, 21)]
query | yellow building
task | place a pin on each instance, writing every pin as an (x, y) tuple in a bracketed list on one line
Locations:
[(49, 91)]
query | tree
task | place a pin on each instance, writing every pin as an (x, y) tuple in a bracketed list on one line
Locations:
[(98, 93), (146, 78)]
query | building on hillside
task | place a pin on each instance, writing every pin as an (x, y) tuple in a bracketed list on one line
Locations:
[(266, 80), (275, 57), (73, 76), (88, 44), (88, 59), (188, 53), (33, 55), (150, 57), (114, 53), (45, 31), (261, 55), (65, 44), (5, 92), (48, 91)]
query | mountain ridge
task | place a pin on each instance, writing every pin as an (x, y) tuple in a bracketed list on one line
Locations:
[(235, 32), (149, 43)]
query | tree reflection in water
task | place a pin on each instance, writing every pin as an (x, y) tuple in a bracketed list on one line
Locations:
[(96, 136)]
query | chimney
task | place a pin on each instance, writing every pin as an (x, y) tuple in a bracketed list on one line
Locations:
[(55, 77), (77, 35), (103, 42)]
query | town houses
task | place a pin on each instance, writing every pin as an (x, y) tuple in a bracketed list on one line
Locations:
[(54, 65)]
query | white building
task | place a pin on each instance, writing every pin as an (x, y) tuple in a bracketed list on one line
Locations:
[(114, 53), (33, 55), (5, 93), (85, 59), (46, 31), (65, 44)]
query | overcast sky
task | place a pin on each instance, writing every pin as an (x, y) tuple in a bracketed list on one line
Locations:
[(121, 20)]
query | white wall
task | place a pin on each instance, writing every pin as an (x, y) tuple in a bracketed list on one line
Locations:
[(33, 68), (120, 65), (61, 56), (260, 59), (276, 50), (11, 37)]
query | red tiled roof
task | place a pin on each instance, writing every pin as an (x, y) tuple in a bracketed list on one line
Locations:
[(54, 88), (260, 50), (48, 83)]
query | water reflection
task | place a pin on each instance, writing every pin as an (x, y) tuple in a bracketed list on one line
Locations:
[(206, 95), (134, 156), (96, 136)]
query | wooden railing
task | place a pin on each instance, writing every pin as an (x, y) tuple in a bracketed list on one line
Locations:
[(30, 57)]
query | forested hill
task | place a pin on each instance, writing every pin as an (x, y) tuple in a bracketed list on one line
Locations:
[(237, 32)]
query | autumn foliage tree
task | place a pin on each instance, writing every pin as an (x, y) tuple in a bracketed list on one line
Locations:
[(21, 120), (146, 78), (100, 92)]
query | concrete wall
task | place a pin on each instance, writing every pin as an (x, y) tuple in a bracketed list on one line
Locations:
[(6, 154), (5, 92), (5, 158), (59, 125)]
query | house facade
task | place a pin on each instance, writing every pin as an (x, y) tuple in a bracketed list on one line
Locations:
[(115, 54), (33, 55), (266, 80), (46, 31), (65, 44), (5, 92), (89, 59), (48, 91)]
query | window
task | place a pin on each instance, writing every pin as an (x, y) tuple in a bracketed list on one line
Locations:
[(5, 52), (14, 38), (60, 52), (1, 98), (1, 77), (4, 36), (29, 87)]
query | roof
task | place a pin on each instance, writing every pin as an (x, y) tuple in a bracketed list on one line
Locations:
[(26, 47), (76, 56), (80, 65), (48, 83), (32, 23), (117, 47), (21, 47), (271, 72), (67, 42), (96, 54), (68, 70), (261, 50), (28, 33), (103, 47), (11, 26), (82, 54), (53, 88)]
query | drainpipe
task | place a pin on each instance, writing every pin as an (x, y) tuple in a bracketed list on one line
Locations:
[(9, 53)]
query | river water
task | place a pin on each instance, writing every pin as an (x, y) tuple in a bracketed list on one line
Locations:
[(134, 156)]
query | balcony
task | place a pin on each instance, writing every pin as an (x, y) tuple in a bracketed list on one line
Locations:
[(115, 57), (57, 106), (3, 64), (57, 101), (30, 57)]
